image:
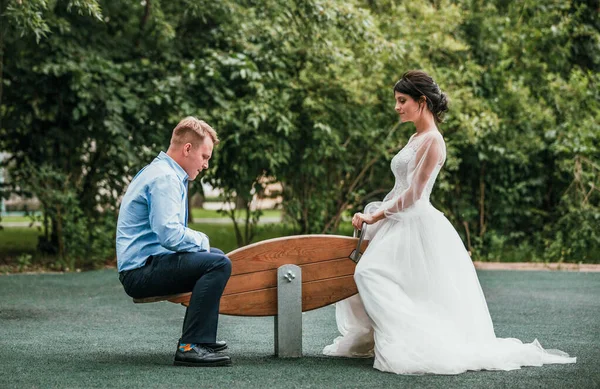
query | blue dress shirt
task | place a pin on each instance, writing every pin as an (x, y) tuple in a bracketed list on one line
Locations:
[(153, 215)]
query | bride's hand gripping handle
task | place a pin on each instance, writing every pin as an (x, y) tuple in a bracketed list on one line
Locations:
[(360, 218), (356, 254)]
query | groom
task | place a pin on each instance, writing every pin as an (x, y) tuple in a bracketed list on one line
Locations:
[(157, 254)]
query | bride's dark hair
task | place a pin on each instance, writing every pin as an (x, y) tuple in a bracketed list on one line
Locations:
[(416, 84)]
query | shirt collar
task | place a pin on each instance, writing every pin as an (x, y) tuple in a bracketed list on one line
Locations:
[(183, 176)]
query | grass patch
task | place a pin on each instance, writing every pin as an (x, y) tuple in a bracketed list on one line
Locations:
[(18, 245), (223, 235), (200, 213), (197, 213), (19, 240), (18, 251), (15, 219)]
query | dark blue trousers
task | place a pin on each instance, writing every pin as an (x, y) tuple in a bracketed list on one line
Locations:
[(205, 274)]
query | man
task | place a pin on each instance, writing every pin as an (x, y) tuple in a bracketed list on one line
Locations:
[(158, 255)]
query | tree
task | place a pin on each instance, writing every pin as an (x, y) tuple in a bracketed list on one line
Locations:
[(77, 108), (300, 92)]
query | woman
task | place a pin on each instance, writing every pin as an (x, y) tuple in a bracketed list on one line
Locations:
[(420, 308)]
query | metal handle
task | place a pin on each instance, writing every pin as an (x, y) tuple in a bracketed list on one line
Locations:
[(356, 254)]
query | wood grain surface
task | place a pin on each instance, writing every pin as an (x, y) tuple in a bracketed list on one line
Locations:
[(327, 274)]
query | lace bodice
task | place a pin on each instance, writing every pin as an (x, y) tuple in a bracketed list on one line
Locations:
[(415, 167), (405, 161), (399, 167)]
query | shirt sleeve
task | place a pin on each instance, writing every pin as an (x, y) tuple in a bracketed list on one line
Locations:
[(165, 199)]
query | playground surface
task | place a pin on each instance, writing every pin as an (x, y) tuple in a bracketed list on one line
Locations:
[(80, 330)]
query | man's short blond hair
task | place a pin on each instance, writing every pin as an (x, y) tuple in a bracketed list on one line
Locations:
[(193, 130)]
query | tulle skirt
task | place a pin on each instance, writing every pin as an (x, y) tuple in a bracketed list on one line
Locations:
[(420, 308)]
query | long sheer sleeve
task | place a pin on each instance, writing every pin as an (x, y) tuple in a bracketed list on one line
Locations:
[(427, 157)]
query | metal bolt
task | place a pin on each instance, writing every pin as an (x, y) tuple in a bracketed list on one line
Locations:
[(289, 276)]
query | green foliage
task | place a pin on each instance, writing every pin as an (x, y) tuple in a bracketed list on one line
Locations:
[(514, 177), (23, 261), (301, 93), (81, 241)]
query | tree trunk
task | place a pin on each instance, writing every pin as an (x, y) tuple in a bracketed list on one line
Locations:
[(143, 21), (59, 236), (482, 226), (3, 5)]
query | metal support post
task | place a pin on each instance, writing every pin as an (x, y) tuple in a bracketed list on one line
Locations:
[(288, 321)]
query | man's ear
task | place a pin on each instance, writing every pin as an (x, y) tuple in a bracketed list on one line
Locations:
[(187, 148)]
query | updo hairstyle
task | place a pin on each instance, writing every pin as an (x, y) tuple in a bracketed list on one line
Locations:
[(417, 84)]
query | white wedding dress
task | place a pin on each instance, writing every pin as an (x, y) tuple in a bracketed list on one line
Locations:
[(420, 308)]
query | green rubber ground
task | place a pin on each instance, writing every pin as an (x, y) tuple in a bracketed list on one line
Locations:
[(81, 330)]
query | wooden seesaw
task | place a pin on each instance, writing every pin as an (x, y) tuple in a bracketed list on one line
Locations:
[(284, 277)]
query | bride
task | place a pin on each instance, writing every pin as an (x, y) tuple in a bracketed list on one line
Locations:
[(420, 308)]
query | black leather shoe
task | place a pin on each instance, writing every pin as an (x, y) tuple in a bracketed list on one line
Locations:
[(201, 356), (219, 345)]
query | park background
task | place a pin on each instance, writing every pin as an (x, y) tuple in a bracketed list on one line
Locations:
[(300, 93)]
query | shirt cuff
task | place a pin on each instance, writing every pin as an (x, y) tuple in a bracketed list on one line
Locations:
[(205, 242), (197, 241)]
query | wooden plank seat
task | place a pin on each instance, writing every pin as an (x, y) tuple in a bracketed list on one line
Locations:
[(325, 262)]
